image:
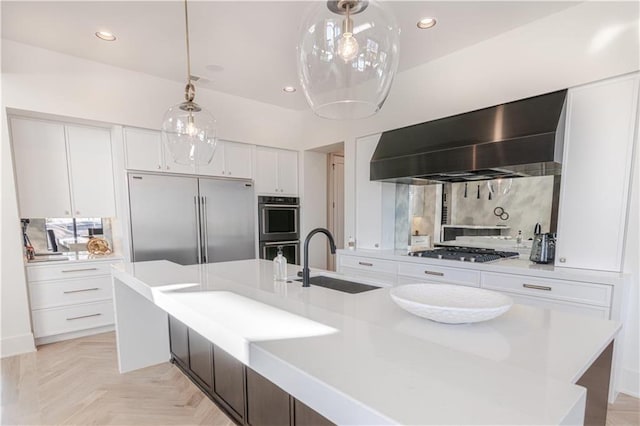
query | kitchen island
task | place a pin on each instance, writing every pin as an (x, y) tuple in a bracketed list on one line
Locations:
[(360, 359)]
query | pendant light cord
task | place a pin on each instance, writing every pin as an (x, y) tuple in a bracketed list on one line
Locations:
[(190, 89)]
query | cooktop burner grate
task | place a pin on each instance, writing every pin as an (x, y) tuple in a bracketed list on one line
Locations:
[(466, 254)]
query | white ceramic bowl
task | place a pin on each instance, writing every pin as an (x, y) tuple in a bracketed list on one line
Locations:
[(451, 304)]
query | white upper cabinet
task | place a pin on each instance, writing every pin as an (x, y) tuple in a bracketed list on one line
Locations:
[(267, 171), (91, 171), (231, 159), (276, 171), (144, 150), (368, 196), (62, 170), (42, 177), (288, 172), (601, 122)]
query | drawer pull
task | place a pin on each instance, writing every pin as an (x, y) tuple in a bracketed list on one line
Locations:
[(537, 287), (80, 270), (83, 316), (365, 263), (80, 291), (439, 274)]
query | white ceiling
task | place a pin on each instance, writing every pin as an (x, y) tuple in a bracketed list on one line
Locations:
[(244, 48)]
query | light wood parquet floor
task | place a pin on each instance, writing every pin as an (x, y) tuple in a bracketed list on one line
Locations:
[(77, 382)]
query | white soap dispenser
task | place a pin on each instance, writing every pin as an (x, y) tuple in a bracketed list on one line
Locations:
[(280, 266), (519, 239)]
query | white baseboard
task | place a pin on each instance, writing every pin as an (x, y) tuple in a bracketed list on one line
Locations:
[(16, 345), (629, 382), (73, 335)]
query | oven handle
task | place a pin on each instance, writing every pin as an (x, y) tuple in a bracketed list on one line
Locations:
[(281, 243), (285, 206)]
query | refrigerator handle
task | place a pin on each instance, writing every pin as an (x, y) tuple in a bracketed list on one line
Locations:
[(197, 209), (205, 232)]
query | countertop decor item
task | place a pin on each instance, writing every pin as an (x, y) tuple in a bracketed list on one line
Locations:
[(347, 57), (98, 246), (188, 130), (451, 304)]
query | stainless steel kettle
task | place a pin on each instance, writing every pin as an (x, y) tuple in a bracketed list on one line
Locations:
[(543, 249)]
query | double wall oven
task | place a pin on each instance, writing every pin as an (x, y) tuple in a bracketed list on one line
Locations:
[(279, 225)]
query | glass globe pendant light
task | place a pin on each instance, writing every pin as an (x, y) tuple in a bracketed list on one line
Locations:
[(188, 130), (347, 57)]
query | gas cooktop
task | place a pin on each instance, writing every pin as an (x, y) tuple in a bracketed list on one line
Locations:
[(466, 254)]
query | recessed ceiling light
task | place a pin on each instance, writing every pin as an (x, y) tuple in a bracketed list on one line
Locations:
[(289, 89), (425, 23), (105, 35)]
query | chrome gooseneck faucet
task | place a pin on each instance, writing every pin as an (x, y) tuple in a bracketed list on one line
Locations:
[(332, 247)]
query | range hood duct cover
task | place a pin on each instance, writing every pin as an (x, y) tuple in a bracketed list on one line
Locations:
[(520, 138)]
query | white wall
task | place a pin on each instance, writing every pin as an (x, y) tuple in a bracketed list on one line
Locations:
[(44, 81), (629, 379), (314, 205), (15, 321)]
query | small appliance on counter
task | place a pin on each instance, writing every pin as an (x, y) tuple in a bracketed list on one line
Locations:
[(543, 249), (420, 242)]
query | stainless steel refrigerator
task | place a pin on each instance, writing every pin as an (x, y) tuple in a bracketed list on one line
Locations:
[(191, 220)]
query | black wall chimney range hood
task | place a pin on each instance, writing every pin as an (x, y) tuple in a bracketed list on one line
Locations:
[(516, 139)]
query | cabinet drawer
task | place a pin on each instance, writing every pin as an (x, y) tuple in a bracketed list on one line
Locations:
[(68, 270), (50, 294), (570, 291), (382, 271), (48, 322), (368, 264), (556, 305), (415, 273)]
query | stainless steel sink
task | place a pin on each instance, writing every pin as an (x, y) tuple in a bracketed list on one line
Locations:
[(340, 285)]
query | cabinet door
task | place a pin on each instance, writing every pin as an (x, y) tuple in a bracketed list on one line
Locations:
[(288, 172), (266, 178), (238, 160), (40, 160), (201, 358), (368, 196), (91, 171), (179, 341), (170, 166), (216, 166), (229, 380), (601, 120), (143, 149), (267, 404), (305, 416)]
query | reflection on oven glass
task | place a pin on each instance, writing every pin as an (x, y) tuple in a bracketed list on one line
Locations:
[(281, 220)]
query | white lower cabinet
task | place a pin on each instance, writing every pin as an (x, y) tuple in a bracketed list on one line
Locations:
[(586, 298), (49, 322), (564, 295), (376, 269), (411, 273), (70, 298)]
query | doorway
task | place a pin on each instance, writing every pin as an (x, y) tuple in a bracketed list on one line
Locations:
[(335, 202)]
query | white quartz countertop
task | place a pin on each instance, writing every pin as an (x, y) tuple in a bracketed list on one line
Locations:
[(360, 359), (72, 257), (508, 266)]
